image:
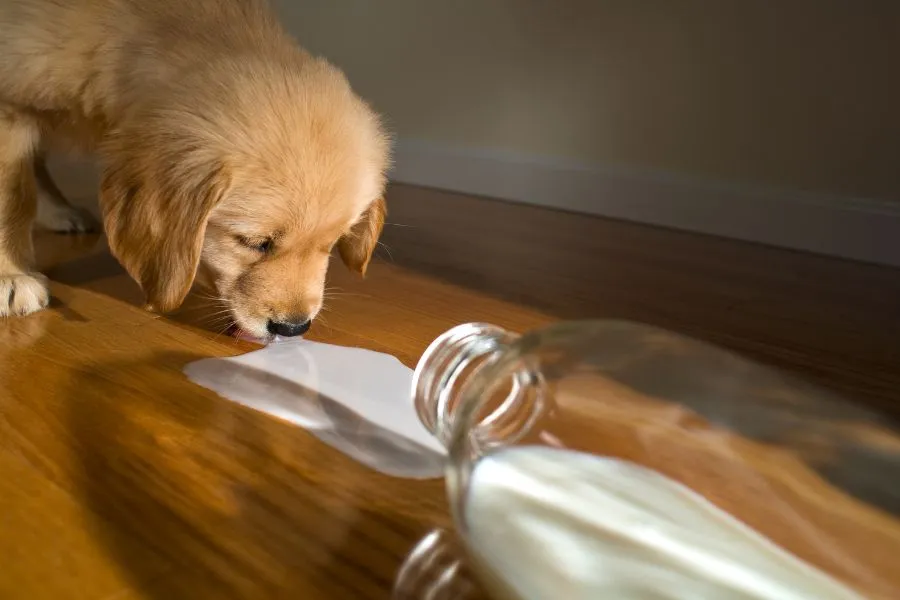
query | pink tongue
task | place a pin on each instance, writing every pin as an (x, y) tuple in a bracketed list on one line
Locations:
[(236, 332)]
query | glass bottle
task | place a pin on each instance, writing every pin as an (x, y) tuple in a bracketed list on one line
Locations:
[(613, 459)]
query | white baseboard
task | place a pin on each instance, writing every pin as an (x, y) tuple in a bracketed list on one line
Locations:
[(858, 229)]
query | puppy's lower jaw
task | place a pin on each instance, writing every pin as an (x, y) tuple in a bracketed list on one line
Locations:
[(247, 329), (237, 332)]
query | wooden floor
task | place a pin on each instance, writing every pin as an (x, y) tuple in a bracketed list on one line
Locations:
[(119, 479)]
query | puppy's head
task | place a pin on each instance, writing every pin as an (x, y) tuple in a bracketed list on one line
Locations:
[(248, 175)]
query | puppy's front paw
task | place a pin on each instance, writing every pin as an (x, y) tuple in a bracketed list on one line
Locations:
[(23, 294), (66, 219)]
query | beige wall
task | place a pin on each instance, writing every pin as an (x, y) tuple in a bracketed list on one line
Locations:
[(792, 93)]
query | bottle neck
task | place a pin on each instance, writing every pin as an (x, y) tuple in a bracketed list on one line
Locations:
[(448, 365)]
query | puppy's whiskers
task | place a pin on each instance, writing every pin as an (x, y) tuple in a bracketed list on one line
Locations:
[(322, 320), (388, 250), (222, 331), (333, 296)]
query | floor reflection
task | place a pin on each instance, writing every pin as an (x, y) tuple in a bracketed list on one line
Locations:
[(435, 569)]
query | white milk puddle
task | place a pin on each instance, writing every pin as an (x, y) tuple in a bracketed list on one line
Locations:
[(357, 401)]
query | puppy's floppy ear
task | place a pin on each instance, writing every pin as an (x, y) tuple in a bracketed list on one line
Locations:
[(357, 246), (155, 223)]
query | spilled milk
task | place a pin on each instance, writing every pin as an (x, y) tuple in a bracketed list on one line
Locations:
[(353, 399)]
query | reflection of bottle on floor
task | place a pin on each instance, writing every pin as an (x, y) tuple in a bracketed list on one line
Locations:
[(434, 569)]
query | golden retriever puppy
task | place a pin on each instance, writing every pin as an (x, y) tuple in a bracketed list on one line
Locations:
[(229, 154)]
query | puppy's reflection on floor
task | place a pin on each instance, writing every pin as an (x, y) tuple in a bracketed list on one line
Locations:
[(435, 569)]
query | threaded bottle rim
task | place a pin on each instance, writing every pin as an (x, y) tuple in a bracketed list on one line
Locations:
[(436, 385)]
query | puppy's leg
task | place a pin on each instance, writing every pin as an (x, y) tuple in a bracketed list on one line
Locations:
[(21, 290), (54, 212)]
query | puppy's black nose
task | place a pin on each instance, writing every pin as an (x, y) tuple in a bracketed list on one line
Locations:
[(288, 328)]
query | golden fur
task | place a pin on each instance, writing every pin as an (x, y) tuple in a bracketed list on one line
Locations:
[(227, 150)]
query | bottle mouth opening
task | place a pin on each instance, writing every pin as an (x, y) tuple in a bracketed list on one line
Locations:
[(508, 408)]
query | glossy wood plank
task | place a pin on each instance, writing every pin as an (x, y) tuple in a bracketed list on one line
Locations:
[(121, 479)]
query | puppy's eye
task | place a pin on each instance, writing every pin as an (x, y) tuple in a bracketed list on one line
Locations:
[(264, 245)]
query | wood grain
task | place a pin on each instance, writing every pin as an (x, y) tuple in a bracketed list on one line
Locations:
[(119, 479)]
